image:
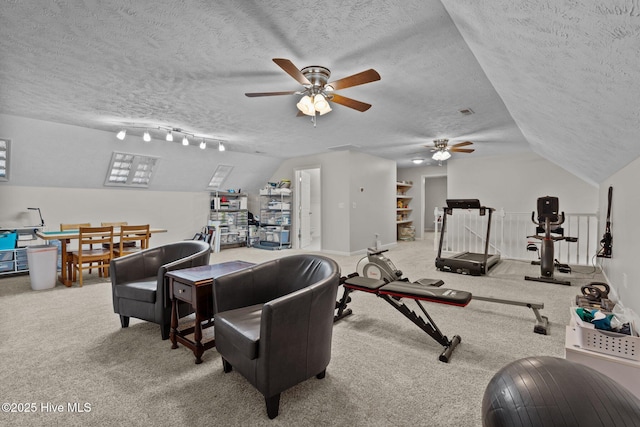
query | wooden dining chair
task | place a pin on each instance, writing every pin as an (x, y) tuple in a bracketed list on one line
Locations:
[(133, 238), (66, 227), (83, 259), (114, 224)]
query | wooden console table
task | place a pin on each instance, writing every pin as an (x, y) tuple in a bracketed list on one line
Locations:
[(195, 286)]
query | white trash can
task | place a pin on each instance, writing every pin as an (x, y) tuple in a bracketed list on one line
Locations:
[(42, 261)]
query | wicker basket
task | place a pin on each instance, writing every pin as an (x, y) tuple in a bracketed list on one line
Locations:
[(406, 232)]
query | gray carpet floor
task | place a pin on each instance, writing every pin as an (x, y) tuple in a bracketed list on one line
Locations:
[(65, 346)]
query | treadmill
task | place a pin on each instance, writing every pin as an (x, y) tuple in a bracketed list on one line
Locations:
[(474, 264)]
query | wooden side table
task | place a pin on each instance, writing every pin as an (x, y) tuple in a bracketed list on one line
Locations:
[(195, 286)]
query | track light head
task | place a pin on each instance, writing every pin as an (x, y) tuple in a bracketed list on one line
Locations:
[(121, 135)]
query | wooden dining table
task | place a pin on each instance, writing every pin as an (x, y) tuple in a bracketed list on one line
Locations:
[(65, 237)]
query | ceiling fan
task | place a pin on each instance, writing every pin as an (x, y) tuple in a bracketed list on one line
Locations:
[(442, 150), (318, 91)]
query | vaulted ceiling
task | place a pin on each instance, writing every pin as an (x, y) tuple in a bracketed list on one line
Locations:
[(559, 78)]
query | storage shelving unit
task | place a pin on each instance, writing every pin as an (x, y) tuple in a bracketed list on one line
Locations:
[(275, 218), (230, 211), (14, 259), (404, 222)]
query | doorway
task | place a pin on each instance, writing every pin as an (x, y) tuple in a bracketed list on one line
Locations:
[(309, 207), (435, 196)]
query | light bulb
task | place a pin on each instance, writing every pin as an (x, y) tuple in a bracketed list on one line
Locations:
[(221, 146), (203, 145), (169, 136), (417, 161), (120, 135), (306, 106), (185, 141), (320, 104), (146, 137)]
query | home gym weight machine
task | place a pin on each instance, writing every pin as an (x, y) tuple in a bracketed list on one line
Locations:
[(376, 274), (471, 263), (548, 222)]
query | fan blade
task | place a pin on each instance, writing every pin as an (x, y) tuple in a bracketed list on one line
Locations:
[(462, 150), (253, 95), (367, 76), (292, 70), (351, 103), (462, 144)]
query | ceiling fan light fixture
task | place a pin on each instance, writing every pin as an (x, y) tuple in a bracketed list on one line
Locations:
[(121, 135), (441, 155), (306, 106), (321, 104)]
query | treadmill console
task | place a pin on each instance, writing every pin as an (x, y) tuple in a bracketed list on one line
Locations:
[(463, 203)]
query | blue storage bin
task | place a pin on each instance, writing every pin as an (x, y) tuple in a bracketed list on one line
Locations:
[(8, 240), (6, 266)]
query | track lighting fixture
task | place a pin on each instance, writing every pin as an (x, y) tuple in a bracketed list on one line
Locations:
[(146, 136)]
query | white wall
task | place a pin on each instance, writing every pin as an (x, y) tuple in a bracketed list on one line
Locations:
[(46, 154), (622, 270), (372, 188), (515, 181), (181, 213), (351, 217)]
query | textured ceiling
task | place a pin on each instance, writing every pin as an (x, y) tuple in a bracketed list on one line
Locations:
[(562, 80)]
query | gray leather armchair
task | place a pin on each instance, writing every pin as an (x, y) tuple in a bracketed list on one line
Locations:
[(140, 288), (274, 322)]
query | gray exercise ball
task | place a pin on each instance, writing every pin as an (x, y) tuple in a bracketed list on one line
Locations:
[(549, 391)]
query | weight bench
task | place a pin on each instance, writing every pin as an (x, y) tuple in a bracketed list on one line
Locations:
[(423, 290)]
